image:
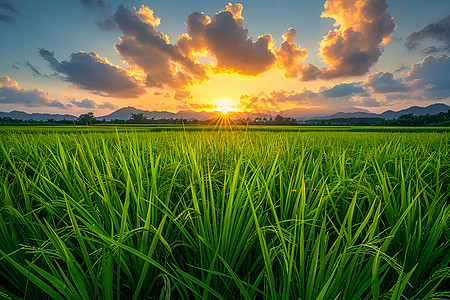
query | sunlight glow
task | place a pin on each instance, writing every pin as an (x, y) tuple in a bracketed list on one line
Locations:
[(224, 120), (224, 105)]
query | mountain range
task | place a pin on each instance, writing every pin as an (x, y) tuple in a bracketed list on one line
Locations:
[(20, 115), (296, 113), (390, 114)]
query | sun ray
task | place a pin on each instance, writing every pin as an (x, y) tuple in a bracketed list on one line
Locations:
[(225, 108)]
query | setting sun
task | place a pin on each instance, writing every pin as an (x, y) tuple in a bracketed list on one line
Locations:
[(224, 105), (225, 108)]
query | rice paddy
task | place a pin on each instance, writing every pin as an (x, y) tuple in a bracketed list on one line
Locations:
[(244, 214)]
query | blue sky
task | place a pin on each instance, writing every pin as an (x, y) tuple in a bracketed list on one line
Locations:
[(68, 27)]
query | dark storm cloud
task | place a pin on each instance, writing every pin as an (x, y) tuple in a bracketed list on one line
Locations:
[(439, 31), (90, 72), (384, 82), (343, 89), (11, 93)]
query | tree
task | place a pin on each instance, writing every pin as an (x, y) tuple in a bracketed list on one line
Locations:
[(87, 119), (138, 118)]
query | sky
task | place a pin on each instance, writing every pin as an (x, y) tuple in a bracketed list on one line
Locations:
[(77, 56)]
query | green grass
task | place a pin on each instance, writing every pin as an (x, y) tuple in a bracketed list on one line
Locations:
[(111, 128), (266, 214)]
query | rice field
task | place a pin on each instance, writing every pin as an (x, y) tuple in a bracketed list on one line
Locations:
[(244, 214)]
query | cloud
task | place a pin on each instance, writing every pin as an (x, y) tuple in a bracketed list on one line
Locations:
[(431, 76), (90, 72), (146, 15), (343, 89), (35, 70), (107, 105), (106, 24), (310, 72), (180, 95), (303, 97), (157, 93), (225, 38), (350, 50), (365, 101), (306, 99), (439, 31), (11, 93), (86, 103), (202, 106), (25, 63), (91, 104), (9, 11), (142, 46), (289, 55), (398, 96), (384, 82), (14, 66), (401, 69), (105, 21), (93, 4), (183, 106)]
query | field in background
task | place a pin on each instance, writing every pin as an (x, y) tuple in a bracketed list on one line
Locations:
[(7, 129), (267, 212)]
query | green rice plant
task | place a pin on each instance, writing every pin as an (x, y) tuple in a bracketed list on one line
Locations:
[(134, 213)]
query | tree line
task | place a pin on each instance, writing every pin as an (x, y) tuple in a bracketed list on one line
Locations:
[(440, 119)]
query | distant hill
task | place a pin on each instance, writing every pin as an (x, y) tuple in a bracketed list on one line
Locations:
[(125, 113), (296, 113), (20, 115), (432, 109), (341, 115), (199, 115), (318, 113)]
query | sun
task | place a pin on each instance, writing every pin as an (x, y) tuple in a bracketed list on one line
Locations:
[(225, 106)]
